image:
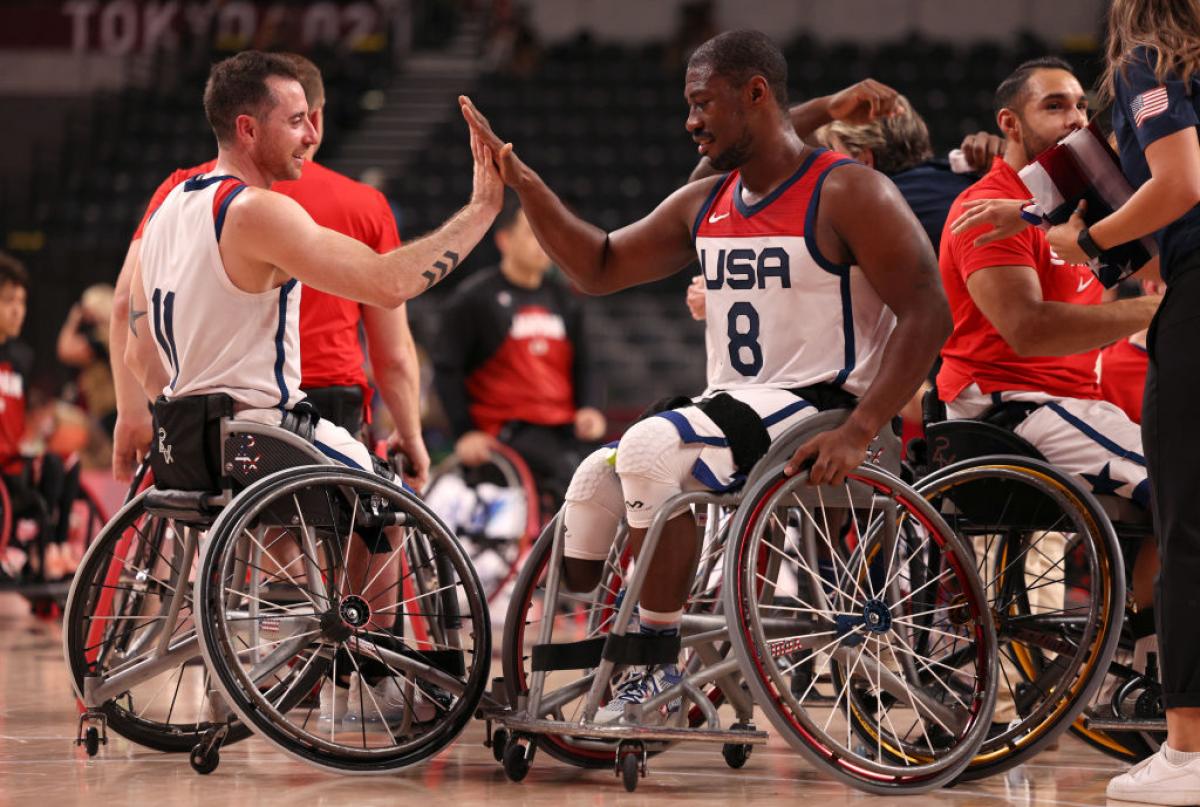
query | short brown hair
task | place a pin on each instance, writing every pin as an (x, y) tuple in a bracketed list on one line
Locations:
[(13, 271), (238, 86), (310, 79), (898, 142)]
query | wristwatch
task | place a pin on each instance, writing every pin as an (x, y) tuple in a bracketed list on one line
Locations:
[(1087, 244)]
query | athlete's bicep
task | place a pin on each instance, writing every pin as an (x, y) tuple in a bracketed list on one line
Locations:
[(268, 228), (660, 244), (1005, 295), (881, 236)]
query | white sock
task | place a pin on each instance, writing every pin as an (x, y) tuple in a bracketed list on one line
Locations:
[(1179, 757)]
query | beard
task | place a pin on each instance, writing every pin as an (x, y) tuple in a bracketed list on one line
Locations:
[(734, 156)]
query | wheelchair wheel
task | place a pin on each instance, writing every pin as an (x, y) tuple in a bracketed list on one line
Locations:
[(496, 518), (421, 660), (579, 617), (1127, 746), (865, 591), (1054, 577), (118, 614)]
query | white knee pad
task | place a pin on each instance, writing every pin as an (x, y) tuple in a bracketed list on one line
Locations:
[(653, 465), (593, 508)]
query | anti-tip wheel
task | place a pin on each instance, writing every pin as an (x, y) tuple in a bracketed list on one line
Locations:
[(203, 762), (631, 771), (499, 744), (516, 766), (736, 754), (91, 741)]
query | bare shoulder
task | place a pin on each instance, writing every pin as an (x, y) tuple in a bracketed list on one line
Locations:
[(851, 185), (265, 208), (687, 200)]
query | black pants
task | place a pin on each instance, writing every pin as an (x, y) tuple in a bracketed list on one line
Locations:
[(1171, 441), (342, 406), (48, 499), (551, 452)]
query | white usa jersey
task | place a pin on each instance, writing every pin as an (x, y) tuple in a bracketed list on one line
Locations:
[(779, 313), (212, 337)]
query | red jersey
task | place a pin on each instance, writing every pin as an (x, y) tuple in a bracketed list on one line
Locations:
[(330, 353), (16, 361), (1123, 368), (976, 353)]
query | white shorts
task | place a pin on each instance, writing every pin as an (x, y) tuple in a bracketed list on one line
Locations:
[(1094, 440), (330, 439), (715, 469)]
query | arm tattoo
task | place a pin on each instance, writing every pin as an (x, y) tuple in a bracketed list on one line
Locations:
[(134, 316), (444, 266)]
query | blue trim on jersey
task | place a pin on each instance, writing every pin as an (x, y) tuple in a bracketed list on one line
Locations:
[(336, 455), (712, 196), (810, 223), (284, 290), (613, 444), (220, 224), (1141, 494), (749, 210), (705, 476), (842, 270), (688, 434), (156, 304), (200, 182), (1096, 436), (169, 329), (786, 412)]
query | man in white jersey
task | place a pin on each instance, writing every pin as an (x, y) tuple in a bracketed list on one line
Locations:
[(822, 288), (222, 258)]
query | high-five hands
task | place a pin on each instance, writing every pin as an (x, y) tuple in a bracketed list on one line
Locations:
[(506, 160)]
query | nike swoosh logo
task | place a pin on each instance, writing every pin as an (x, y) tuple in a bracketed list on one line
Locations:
[(714, 218), (1083, 284)]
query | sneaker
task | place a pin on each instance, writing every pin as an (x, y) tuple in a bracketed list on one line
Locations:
[(386, 700), (639, 688), (1155, 780), (334, 702)]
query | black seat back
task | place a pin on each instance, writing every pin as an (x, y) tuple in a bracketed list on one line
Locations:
[(953, 440)]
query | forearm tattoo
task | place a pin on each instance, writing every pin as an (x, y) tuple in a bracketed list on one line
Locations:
[(134, 316), (444, 266)]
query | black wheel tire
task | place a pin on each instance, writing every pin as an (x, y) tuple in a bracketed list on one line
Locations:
[(499, 744), (516, 766), (630, 770), (203, 763), (91, 741), (736, 754)]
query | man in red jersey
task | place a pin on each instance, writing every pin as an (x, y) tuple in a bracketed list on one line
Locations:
[(782, 238), (332, 370), (1028, 327)]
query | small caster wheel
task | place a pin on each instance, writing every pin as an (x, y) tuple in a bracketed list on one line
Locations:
[(736, 754), (499, 743), (204, 762), (630, 771), (516, 766), (91, 741)]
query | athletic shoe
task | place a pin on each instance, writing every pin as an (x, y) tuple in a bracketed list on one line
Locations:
[(639, 688), (335, 700), (386, 700), (1155, 780)]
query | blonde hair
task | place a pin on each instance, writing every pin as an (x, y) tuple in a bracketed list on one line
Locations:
[(1169, 29), (897, 143)]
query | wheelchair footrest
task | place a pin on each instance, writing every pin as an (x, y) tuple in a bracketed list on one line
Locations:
[(1126, 724), (633, 649), (622, 731)]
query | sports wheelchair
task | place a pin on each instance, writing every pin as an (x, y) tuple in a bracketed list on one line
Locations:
[(1050, 555), (494, 509), (224, 599), (852, 616)]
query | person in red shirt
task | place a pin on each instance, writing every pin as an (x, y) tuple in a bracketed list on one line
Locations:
[(1028, 326), (43, 487), (333, 376)]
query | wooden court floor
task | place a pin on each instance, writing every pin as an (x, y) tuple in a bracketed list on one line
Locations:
[(40, 766)]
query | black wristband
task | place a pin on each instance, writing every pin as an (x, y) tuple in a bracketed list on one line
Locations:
[(1087, 244)]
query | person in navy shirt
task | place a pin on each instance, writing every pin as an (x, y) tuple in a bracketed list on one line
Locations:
[(1153, 80)]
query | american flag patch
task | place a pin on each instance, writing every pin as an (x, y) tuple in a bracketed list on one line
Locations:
[(1148, 104)]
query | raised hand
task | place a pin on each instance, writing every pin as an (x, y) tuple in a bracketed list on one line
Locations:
[(510, 166), (864, 102), (488, 191)]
